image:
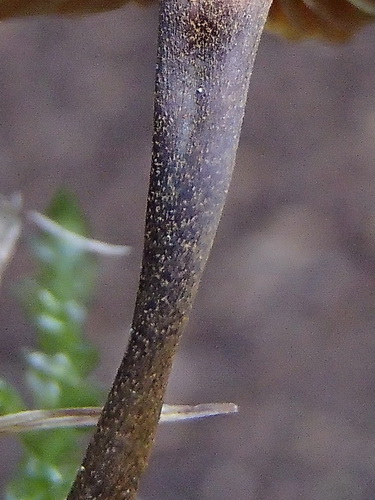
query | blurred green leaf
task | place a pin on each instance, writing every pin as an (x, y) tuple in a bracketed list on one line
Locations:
[(10, 400), (62, 360)]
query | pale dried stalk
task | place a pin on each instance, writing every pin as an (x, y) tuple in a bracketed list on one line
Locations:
[(35, 420)]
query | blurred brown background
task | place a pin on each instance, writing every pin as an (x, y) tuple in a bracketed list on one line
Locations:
[(284, 323)]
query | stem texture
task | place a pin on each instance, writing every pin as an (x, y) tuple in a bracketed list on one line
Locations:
[(206, 51)]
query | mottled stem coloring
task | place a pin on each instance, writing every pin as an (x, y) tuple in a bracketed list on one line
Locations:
[(206, 51)]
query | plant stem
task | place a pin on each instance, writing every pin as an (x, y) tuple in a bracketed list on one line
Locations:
[(206, 51)]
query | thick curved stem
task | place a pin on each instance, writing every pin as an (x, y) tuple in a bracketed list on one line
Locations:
[(206, 52)]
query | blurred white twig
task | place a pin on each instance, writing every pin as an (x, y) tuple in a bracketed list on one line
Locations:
[(87, 244), (10, 227)]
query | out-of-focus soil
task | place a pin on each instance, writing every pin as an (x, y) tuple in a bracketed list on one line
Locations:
[(284, 324)]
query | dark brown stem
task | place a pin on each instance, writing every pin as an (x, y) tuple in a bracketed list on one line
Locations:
[(206, 51)]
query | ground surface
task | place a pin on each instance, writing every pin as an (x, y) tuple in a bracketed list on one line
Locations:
[(284, 323)]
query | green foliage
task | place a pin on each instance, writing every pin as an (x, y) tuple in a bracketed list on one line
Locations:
[(58, 369), (10, 400)]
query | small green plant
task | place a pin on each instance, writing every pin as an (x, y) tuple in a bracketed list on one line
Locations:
[(59, 367)]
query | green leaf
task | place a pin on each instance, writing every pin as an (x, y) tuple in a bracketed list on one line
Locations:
[(10, 400)]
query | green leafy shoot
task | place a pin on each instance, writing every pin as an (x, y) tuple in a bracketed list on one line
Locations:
[(58, 369)]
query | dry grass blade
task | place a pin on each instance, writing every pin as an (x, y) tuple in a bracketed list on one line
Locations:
[(85, 417)]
